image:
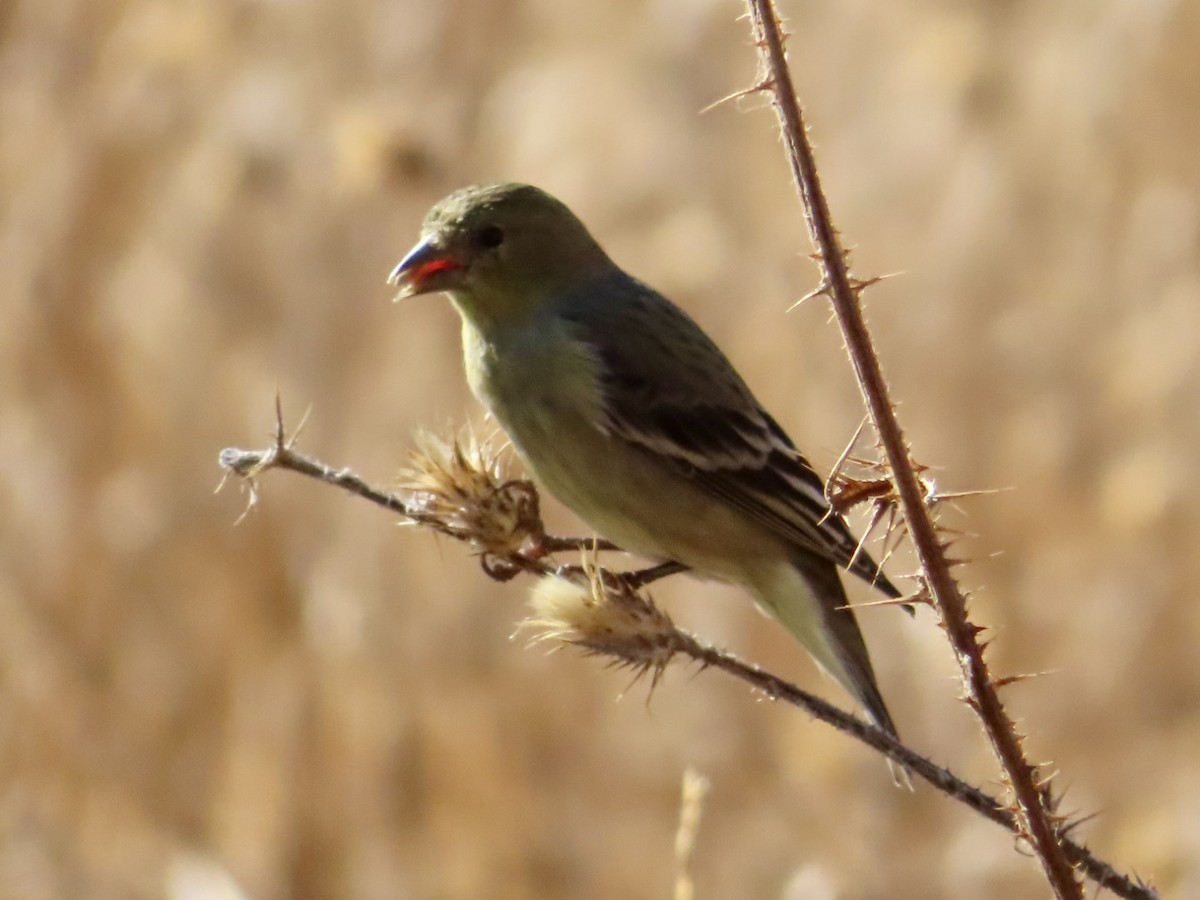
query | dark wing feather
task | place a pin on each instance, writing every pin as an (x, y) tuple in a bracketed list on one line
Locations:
[(671, 392)]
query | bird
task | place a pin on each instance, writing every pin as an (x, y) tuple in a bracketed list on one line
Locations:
[(624, 409)]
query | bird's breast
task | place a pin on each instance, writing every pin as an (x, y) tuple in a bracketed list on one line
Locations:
[(547, 395), (534, 378)]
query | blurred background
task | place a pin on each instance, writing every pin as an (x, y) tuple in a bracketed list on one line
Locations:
[(199, 203)]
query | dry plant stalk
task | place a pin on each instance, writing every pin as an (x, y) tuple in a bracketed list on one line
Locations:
[(458, 488), (1039, 824), (695, 788)]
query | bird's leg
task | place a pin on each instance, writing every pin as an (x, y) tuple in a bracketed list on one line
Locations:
[(641, 577)]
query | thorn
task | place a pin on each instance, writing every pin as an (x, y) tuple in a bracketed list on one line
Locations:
[(889, 552), (1074, 824), (1017, 679), (921, 597), (279, 432), (762, 87), (948, 543), (896, 528), (858, 285), (958, 533), (961, 495), (884, 277), (1042, 783), (820, 289), (299, 428), (841, 460), (887, 601)]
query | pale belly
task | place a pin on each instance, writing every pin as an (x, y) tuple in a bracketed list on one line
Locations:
[(551, 408), (629, 497)]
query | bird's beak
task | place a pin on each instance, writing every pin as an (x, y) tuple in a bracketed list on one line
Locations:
[(426, 268)]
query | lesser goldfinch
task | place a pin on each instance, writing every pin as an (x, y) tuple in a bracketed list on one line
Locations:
[(625, 410)]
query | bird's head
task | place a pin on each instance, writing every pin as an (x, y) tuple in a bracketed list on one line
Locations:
[(500, 250)]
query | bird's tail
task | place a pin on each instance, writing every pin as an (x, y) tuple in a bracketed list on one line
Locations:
[(808, 598)]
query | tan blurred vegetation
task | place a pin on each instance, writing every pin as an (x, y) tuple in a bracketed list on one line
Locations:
[(200, 200)]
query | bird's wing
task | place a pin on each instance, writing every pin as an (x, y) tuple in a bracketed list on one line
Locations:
[(671, 392)]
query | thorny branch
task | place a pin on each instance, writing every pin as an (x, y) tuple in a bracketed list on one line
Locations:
[(516, 498), (461, 492), (1035, 806)]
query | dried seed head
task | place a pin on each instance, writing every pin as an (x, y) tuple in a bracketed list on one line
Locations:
[(459, 486), (603, 616)]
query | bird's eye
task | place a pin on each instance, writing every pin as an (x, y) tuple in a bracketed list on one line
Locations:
[(489, 237)]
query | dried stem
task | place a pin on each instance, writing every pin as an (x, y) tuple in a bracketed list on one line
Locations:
[(649, 640), (695, 787), (248, 465), (1037, 820)]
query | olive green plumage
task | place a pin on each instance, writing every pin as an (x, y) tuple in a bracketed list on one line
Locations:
[(627, 412)]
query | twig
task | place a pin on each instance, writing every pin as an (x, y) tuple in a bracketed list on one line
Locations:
[(250, 464), (1038, 823), (695, 787)]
